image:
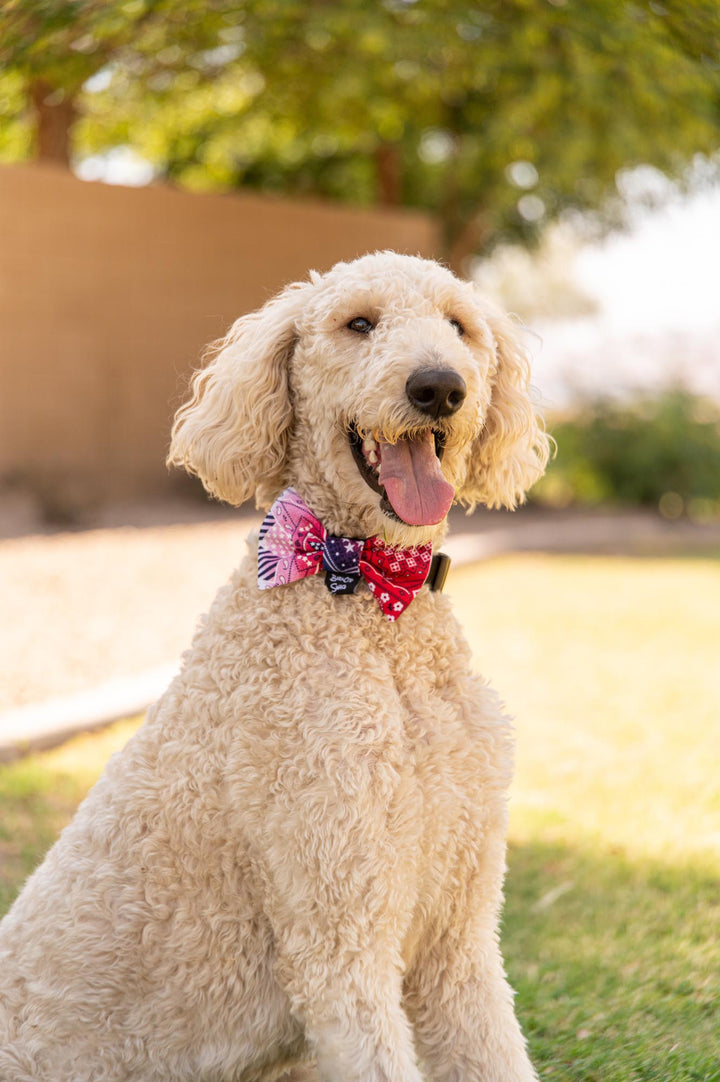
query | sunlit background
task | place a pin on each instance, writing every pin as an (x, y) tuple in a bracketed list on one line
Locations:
[(165, 166), (564, 154)]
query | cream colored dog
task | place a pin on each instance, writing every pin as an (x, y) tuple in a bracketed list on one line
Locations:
[(301, 853)]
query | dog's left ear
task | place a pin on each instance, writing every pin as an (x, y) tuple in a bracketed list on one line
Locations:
[(234, 431), (512, 449)]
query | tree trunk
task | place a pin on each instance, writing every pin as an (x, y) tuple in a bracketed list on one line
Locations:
[(54, 122), (466, 242), (388, 171)]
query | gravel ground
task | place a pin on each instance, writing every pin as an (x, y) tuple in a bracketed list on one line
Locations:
[(81, 608)]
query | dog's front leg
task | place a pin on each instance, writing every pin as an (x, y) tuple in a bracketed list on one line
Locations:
[(338, 893), (457, 994), (355, 1024), (466, 1027)]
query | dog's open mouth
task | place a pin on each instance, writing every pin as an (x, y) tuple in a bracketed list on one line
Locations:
[(406, 474)]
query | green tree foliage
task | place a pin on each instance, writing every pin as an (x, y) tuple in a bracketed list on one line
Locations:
[(498, 114)]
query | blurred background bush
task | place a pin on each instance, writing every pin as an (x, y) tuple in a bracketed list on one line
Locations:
[(660, 451)]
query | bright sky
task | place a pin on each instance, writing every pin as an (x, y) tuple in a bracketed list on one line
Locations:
[(658, 288), (666, 273)]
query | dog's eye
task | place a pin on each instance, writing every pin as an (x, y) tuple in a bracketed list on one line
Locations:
[(360, 324), (458, 327)]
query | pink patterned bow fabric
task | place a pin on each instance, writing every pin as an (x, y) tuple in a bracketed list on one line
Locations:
[(293, 544)]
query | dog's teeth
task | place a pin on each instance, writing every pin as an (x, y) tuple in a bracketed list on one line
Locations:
[(371, 452)]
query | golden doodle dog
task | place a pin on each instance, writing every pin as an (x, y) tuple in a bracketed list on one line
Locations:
[(299, 857)]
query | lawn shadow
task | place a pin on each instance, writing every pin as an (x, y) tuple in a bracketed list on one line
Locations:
[(615, 962)]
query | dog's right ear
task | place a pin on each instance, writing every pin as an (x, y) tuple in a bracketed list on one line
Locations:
[(234, 430)]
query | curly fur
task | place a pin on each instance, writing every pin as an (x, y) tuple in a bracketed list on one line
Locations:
[(301, 853)]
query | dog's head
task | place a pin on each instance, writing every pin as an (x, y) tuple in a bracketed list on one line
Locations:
[(382, 391)]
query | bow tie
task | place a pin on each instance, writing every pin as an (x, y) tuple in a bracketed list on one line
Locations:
[(293, 544)]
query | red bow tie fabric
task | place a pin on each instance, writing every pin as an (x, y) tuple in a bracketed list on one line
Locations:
[(293, 544)]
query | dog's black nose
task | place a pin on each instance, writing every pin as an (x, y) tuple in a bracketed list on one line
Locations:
[(436, 391)]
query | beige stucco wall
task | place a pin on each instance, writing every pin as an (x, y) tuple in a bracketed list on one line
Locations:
[(107, 296)]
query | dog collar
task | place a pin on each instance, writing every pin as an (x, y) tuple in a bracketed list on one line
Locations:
[(293, 544)]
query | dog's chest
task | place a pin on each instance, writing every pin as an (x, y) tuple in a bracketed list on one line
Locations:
[(391, 709), (458, 761), (451, 763), (455, 800)]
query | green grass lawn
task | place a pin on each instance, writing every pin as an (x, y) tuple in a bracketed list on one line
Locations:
[(611, 929), (611, 933)]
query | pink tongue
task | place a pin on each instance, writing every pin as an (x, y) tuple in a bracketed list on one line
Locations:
[(411, 475)]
